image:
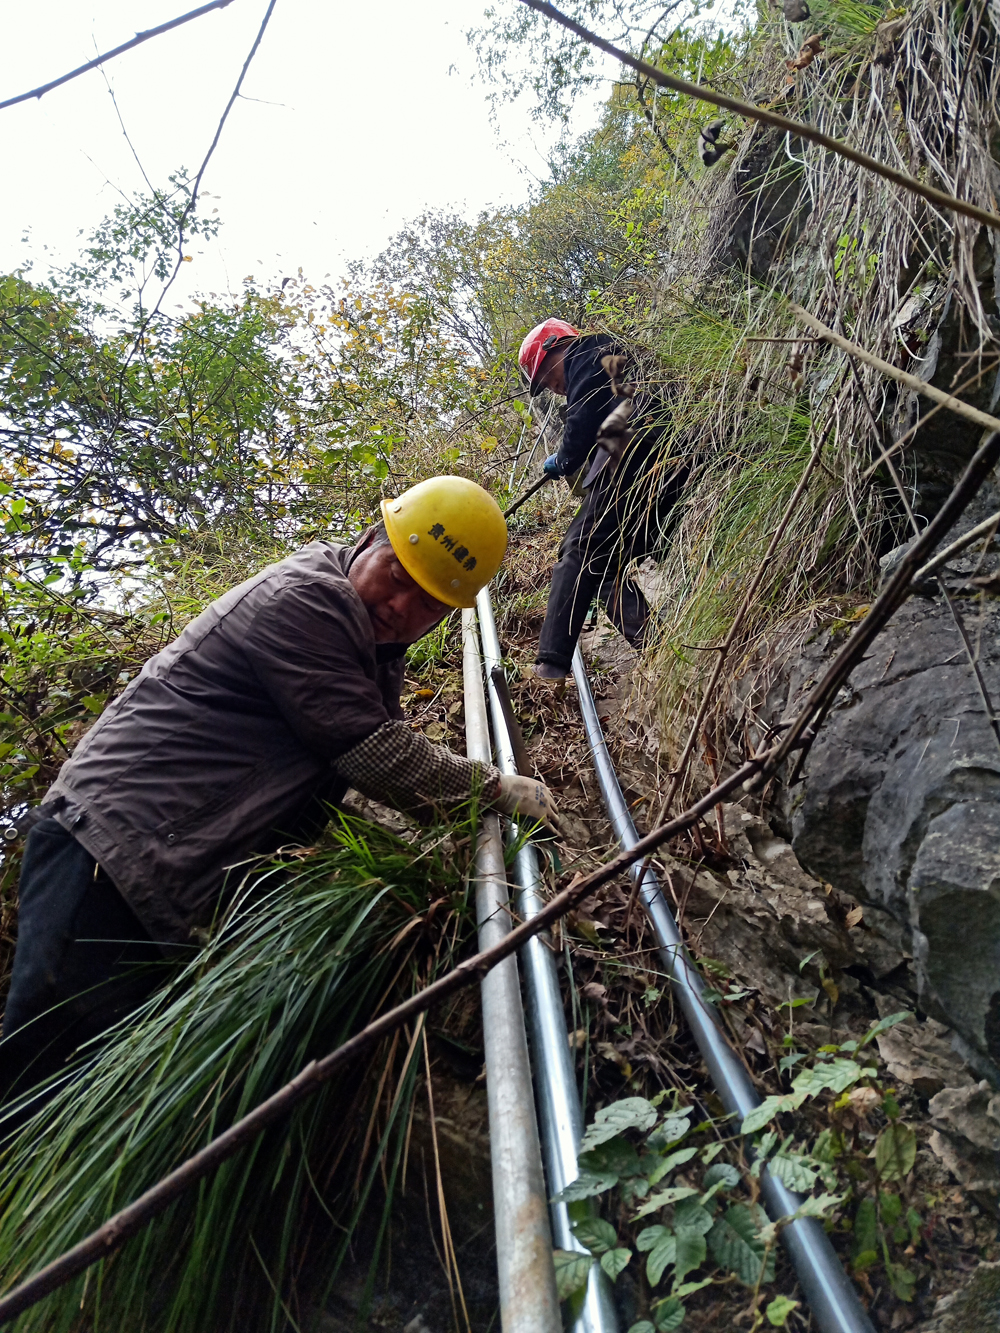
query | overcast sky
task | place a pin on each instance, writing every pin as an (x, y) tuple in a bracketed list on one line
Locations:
[(366, 114)]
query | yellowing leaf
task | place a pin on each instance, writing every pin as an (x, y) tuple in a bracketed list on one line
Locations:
[(572, 1270), (779, 1310), (895, 1151)]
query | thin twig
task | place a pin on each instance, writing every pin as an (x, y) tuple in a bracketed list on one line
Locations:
[(192, 201), (920, 386), (958, 546), (137, 40), (802, 131), (907, 436)]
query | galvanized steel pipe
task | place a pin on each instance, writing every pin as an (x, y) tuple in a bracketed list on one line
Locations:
[(560, 1118), (528, 1299), (829, 1292)]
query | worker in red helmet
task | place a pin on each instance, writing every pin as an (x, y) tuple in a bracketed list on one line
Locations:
[(625, 502)]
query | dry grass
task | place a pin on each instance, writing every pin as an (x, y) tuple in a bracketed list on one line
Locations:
[(917, 89)]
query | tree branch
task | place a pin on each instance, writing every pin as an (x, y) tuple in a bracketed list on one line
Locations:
[(913, 382), (137, 40), (751, 112)]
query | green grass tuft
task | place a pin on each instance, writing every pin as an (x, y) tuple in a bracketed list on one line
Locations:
[(309, 951)]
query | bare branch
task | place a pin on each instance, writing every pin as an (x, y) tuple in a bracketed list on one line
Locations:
[(802, 131), (137, 40)]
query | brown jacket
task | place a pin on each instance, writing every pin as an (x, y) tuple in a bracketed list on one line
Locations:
[(228, 737)]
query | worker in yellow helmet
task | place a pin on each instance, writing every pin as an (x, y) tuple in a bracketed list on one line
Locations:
[(233, 741)]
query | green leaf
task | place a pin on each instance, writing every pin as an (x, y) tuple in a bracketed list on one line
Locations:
[(895, 1151), (659, 1257), (93, 702), (668, 1314), (890, 1206), (833, 1074), (643, 1326), (793, 1171), (689, 1288), (902, 1281), (629, 1113), (614, 1262), (689, 1254), (572, 1271), (586, 1185), (650, 1237), (691, 1215), (670, 1130), (768, 1109), (865, 1231), (669, 1162), (819, 1205), (738, 1249), (779, 1310), (616, 1155), (711, 1192), (660, 1200), (884, 1024), (596, 1234), (721, 1172)]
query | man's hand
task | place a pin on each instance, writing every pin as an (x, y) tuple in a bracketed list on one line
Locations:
[(551, 467), (528, 798)]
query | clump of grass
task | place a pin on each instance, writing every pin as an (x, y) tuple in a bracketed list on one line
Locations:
[(310, 950)]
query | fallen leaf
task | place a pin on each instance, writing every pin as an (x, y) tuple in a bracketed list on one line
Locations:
[(593, 990), (864, 1100), (853, 917)]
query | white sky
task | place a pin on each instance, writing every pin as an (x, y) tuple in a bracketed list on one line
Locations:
[(360, 126)]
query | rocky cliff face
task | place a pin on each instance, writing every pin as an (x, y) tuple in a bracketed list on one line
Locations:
[(900, 803)]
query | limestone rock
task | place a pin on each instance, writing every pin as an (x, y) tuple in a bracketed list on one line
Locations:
[(921, 1055), (975, 1308), (966, 1135), (900, 806)]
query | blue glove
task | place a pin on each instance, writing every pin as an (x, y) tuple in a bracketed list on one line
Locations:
[(551, 466)]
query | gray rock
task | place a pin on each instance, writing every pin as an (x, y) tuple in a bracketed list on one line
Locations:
[(966, 1135), (975, 1308), (900, 806), (922, 1055)]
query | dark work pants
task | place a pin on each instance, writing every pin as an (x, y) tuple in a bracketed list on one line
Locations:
[(82, 962), (619, 521)]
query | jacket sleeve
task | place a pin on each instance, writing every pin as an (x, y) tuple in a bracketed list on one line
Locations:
[(310, 653), (589, 399), (402, 768)]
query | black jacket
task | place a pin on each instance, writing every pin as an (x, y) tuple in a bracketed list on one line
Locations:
[(589, 399)]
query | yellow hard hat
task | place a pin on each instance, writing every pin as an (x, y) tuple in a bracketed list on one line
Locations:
[(449, 535)]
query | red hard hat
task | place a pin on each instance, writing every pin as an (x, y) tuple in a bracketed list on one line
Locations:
[(539, 343)]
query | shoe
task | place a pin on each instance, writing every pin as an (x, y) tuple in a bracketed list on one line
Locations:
[(549, 671)]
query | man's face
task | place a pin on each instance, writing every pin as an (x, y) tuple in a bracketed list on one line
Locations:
[(399, 609), (553, 374)]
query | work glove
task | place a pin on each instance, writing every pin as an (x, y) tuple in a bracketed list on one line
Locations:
[(551, 467), (528, 798)]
